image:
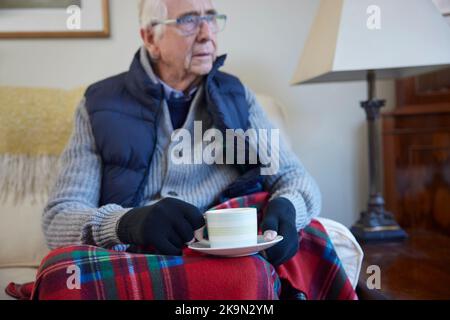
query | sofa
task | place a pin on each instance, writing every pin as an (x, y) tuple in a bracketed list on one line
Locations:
[(22, 244)]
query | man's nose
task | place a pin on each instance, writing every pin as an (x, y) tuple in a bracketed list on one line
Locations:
[(204, 33)]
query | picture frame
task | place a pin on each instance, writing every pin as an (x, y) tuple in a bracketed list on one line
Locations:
[(51, 19)]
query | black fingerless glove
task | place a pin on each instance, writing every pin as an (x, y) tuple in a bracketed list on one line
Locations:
[(280, 217), (167, 226)]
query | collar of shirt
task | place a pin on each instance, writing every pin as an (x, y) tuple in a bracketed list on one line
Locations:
[(171, 93)]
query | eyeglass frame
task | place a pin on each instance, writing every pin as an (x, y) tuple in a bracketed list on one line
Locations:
[(176, 21)]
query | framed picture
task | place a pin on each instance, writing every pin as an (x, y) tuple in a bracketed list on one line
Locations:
[(54, 19)]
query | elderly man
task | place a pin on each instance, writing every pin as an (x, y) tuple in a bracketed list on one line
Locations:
[(120, 187)]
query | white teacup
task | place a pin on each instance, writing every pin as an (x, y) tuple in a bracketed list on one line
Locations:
[(227, 228)]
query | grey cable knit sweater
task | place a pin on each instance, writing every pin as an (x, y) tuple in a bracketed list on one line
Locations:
[(72, 215)]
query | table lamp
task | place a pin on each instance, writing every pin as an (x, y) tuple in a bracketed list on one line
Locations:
[(367, 40)]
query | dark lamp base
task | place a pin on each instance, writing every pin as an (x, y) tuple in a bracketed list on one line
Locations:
[(378, 227)]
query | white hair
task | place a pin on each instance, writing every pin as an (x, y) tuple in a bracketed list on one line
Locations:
[(150, 10)]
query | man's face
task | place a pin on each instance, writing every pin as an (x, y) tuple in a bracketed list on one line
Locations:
[(187, 55)]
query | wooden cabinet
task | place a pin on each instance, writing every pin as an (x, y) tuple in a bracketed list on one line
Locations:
[(416, 153)]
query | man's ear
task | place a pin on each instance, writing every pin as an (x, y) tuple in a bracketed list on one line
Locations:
[(149, 39)]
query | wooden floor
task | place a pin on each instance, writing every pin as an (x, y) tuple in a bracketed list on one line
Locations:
[(417, 268)]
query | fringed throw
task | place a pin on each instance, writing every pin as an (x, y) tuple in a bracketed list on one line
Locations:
[(35, 125)]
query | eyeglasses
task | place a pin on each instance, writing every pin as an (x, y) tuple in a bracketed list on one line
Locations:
[(189, 25)]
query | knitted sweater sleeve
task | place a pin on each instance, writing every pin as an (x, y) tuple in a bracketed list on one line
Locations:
[(72, 215), (288, 178)]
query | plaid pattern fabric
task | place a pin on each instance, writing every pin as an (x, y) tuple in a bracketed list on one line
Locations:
[(315, 271), (110, 275)]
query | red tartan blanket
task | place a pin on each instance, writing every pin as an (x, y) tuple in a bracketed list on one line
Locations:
[(315, 271)]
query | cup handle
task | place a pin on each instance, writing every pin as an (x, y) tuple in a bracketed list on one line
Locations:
[(198, 234)]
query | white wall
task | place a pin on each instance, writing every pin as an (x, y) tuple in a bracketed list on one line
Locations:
[(264, 39)]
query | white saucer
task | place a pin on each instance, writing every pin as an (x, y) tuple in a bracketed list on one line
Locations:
[(203, 246)]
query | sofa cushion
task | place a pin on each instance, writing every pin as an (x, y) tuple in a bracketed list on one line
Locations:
[(21, 236), (17, 275), (276, 113)]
